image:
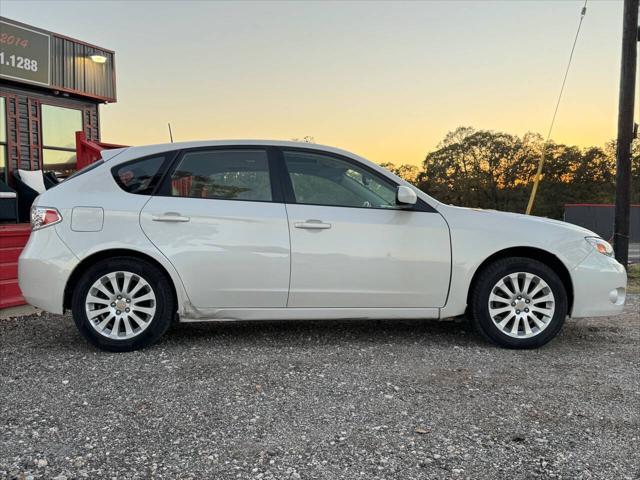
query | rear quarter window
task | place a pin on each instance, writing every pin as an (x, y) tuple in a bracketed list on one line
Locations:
[(140, 176), (84, 170)]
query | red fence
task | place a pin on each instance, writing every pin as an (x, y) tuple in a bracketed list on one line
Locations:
[(88, 151), (13, 238)]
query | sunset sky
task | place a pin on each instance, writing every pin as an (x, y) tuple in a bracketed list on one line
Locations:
[(385, 80)]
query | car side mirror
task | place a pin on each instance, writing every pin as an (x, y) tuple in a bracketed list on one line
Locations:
[(406, 196)]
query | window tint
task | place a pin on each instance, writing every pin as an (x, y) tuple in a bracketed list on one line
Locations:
[(322, 180), (223, 174), (139, 176)]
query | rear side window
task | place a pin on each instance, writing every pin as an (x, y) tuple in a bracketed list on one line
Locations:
[(223, 174), (139, 176)]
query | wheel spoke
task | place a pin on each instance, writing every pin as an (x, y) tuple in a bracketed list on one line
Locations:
[(498, 311), (115, 328), (547, 312), (515, 282), (98, 312), (503, 286), (505, 320), (527, 327), (144, 298), (137, 288), (538, 288), (101, 288), (127, 326), (527, 283), (546, 298), (98, 300), (498, 299), (540, 324), (147, 310), (103, 324), (126, 282), (516, 326), (113, 281), (138, 320)]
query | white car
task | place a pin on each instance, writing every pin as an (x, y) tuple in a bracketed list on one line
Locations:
[(260, 230)]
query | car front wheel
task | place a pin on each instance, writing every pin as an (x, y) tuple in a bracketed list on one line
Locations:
[(123, 304), (519, 302)]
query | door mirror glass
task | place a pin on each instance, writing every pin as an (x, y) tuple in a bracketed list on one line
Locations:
[(406, 196)]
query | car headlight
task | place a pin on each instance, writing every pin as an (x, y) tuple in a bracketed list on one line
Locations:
[(601, 245)]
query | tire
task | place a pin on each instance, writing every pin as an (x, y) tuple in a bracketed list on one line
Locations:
[(533, 287), (146, 304)]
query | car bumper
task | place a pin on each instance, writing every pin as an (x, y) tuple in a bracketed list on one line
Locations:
[(44, 268), (599, 287)]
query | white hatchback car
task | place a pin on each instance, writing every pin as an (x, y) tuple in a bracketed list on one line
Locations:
[(258, 230)]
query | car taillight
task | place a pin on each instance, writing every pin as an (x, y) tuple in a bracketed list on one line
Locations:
[(43, 217)]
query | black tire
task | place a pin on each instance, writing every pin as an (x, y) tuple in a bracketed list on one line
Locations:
[(487, 280), (165, 305)]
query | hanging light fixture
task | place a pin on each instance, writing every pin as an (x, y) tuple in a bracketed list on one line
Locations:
[(98, 58)]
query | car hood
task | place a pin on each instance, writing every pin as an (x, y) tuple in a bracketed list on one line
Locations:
[(519, 219)]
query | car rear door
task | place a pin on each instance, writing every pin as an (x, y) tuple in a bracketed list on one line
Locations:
[(352, 245), (219, 218)]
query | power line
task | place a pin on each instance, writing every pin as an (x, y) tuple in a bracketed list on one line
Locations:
[(536, 180)]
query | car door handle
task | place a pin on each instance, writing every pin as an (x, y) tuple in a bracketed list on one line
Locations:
[(313, 225), (170, 217)]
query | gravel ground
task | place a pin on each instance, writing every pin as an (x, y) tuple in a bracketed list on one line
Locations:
[(325, 400)]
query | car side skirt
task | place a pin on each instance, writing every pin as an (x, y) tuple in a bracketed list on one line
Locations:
[(236, 314)]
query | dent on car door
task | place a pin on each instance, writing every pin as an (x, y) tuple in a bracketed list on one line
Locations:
[(353, 246), (217, 221)]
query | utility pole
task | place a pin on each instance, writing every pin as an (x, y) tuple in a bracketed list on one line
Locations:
[(625, 130)]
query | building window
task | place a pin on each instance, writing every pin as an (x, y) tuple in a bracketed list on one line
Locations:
[(59, 127), (3, 140)]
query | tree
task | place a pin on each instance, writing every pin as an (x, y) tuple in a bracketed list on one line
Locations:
[(486, 169)]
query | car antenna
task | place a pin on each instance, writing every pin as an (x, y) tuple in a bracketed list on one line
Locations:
[(170, 133)]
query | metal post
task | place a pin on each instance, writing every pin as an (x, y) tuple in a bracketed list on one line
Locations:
[(625, 130)]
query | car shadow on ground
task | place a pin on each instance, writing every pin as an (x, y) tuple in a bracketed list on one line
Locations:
[(327, 332), (446, 333)]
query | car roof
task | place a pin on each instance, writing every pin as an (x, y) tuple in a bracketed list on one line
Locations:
[(143, 150)]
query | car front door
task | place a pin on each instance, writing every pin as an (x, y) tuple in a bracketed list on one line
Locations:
[(220, 221), (352, 245)]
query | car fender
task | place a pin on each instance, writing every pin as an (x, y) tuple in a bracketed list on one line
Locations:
[(477, 235)]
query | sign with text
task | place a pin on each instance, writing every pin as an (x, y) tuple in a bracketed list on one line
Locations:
[(24, 54)]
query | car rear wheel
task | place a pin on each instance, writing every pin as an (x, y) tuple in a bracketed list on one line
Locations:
[(123, 304), (519, 303)]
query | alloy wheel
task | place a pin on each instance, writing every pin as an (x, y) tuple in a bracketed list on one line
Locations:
[(521, 305), (120, 305)]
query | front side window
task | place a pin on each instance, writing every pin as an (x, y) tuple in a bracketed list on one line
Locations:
[(323, 180), (59, 127), (139, 176), (223, 174)]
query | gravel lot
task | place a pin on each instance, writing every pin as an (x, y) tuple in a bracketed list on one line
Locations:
[(326, 400)]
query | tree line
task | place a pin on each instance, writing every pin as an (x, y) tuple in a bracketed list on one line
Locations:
[(495, 170)]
